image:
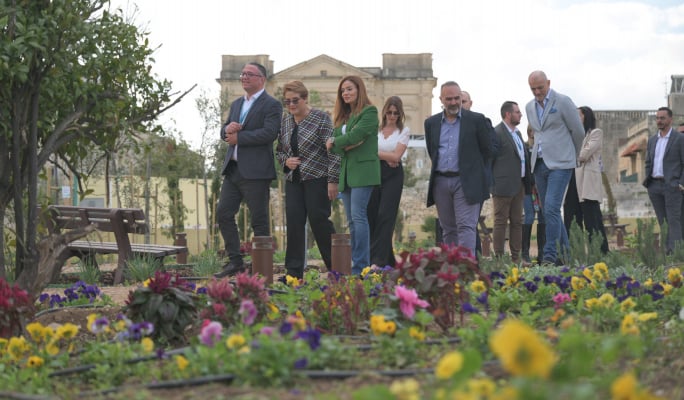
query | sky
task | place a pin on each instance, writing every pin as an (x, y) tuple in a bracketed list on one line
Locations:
[(609, 55)]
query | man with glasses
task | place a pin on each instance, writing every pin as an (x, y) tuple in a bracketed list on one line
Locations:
[(253, 125), (558, 136)]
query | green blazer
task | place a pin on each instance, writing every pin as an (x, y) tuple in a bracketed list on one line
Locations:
[(360, 166)]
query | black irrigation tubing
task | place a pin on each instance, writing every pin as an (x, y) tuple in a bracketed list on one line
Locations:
[(55, 309), (174, 384), (87, 367), (311, 374), (22, 396), (182, 350)]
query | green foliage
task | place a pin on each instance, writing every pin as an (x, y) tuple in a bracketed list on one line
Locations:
[(141, 268), (88, 272), (647, 252), (76, 77), (583, 249), (168, 303), (429, 225), (207, 263)]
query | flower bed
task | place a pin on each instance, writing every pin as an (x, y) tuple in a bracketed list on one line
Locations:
[(595, 331)]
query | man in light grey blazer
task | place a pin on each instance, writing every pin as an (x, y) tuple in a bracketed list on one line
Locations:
[(511, 181), (253, 125), (557, 142), (665, 175)]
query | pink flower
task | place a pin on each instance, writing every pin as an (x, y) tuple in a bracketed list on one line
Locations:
[(248, 312), (561, 298), (211, 333), (408, 300)]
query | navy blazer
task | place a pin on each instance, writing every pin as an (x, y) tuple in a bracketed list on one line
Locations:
[(474, 154), (255, 141)]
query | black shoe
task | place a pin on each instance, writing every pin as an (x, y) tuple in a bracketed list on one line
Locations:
[(230, 269)]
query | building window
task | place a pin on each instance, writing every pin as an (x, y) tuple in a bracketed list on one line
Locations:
[(324, 73)]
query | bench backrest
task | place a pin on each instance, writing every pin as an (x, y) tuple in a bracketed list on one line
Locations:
[(117, 220)]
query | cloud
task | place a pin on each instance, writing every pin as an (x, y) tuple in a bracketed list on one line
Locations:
[(606, 54)]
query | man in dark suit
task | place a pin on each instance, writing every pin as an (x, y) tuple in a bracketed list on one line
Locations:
[(511, 175), (665, 175), (459, 144), (253, 125)]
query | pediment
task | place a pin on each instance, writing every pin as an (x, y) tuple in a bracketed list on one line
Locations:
[(322, 66)]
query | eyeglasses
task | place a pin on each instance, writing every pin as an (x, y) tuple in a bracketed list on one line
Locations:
[(294, 101), (395, 113), (249, 75)]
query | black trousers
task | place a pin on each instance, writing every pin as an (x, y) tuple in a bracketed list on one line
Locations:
[(235, 189), (572, 211), (302, 199), (593, 221), (382, 214)]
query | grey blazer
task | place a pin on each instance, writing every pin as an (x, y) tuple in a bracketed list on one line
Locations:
[(506, 165), (255, 141), (673, 160), (560, 131), (474, 154)]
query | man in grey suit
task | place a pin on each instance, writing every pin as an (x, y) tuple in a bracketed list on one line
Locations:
[(665, 175), (459, 145), (253, 125), (557, 142), (511, 176)]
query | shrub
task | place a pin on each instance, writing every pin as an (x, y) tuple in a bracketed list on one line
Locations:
[(440, 276), (168, 302), (15, 308)]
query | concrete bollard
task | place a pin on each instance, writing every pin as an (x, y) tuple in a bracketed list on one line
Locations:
[(341, 253), (262, 257)]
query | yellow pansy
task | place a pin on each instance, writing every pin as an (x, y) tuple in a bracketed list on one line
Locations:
[(181, 362), (577, 283), (235, 341), (629, 325), (478, 286), (521, 350), (406, 389), (416, 333), (34, 362), (448, 365), (674, 275), (627, 304), (647, 316), (483, 387), (67, 331), (147, 344)]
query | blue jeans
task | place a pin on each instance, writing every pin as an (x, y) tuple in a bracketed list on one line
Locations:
[(356, 208), (528, 210), (551, 184)]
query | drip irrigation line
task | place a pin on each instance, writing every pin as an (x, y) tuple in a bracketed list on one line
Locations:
[(55, 309), (174, 384), (21, 396), (88, 367)]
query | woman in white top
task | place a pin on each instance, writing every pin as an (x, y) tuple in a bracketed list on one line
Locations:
[(383, 206)]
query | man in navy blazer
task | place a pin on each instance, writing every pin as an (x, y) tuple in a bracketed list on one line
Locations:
[(558, 135), (253, 125), (459, 145), (665, 175)]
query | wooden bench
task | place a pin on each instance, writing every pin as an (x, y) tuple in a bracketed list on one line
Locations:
[(120, 221)]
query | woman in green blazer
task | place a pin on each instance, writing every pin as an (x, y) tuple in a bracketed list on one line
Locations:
[(355, 139)]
